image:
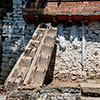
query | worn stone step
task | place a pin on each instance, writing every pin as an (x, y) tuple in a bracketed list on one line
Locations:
[(40, 37), (39, 76), (49, 41), (32, 53), (90, 88), (36, 43), (43, 61), (89, 98), (46, 50), (2, 97), (26, 62)]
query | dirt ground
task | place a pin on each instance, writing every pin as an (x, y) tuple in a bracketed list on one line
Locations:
[(76, 83)]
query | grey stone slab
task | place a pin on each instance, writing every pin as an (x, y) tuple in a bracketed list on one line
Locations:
[(90, 88), (89, 98), (2, 97)]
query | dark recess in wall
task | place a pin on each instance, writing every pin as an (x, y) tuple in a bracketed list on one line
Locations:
[(6, 4)]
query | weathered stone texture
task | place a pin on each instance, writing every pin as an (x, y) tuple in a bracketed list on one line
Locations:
[(70, 61), (89, 98), (90, 88), (17, 34), (60, 93)]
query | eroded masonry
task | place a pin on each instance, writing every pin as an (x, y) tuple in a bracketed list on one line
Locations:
[(77, 43)]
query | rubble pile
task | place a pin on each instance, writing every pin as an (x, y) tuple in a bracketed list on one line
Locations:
[(58, 93), (70, 61)]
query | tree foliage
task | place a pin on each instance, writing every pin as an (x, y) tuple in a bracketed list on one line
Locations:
[(6, 4)]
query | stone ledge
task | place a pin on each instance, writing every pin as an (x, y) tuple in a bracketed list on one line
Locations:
[(89, 98), (61, 89), (90, 88), (55, 93)]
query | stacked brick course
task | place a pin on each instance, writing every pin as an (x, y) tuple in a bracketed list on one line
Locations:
[(17, 34)]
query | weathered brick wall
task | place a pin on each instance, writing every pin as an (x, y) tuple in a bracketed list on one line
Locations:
[(0, 42), (17, 34)]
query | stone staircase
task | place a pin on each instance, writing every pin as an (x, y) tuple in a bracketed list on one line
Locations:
[(31, 67)]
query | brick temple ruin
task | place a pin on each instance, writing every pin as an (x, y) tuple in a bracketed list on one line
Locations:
[(66, 60)]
